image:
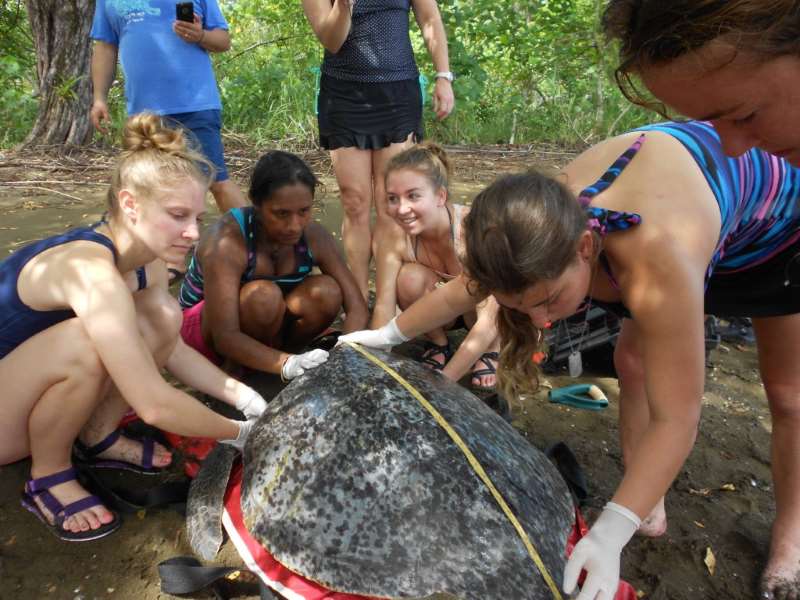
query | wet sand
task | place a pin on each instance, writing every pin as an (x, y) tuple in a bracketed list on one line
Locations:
[(721, 501)]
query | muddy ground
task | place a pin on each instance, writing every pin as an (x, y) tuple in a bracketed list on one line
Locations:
[(720, 504)]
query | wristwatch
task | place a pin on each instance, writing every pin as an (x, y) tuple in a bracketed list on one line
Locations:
[(445, 75)]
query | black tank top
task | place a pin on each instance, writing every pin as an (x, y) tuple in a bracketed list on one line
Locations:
[(378, 48)]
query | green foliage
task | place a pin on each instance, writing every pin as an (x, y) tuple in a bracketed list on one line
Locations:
[(528, 70), (17, 74)]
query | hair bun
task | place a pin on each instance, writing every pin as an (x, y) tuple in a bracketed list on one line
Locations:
[(436, 150), (148, 131)]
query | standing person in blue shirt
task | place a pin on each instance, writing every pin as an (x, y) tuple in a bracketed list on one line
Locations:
[(370, 102), (167, 71)]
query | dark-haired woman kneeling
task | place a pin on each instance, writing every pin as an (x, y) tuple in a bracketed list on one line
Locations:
[(249, 294)]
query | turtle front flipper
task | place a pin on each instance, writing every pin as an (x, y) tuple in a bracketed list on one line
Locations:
[(205, 502)]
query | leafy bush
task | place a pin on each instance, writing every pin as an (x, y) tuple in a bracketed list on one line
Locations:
[(17, 74), (528, 70)]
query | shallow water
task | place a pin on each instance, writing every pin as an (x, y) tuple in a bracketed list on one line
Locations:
[(26, 216)]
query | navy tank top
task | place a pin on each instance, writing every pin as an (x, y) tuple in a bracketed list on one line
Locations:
[(18, 321)]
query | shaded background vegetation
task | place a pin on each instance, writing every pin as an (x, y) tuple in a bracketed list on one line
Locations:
[(528, 70)]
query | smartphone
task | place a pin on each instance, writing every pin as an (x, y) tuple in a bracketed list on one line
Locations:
[(184, 11)]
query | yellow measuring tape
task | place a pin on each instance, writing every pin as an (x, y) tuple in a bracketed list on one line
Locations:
[(476, 466)]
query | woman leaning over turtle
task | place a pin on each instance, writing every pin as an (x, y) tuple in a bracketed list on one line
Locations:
[(660, 227), (94, 302), (249, 293), (423, 254), (735, 63)]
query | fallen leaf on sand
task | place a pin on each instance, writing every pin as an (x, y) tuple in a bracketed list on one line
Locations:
[(699, 524), (700, 492), (728, 487), (710, 560)]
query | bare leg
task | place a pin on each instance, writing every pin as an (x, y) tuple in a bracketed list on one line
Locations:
[(228, 195), (353, 169), (380, 158), (483, 338), (312, 306), (42, 413), (262, 311), (413, 282), (634, 413), (778, 347), (159, 318)]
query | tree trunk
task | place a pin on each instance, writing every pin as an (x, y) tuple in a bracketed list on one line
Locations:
[(63, 58)]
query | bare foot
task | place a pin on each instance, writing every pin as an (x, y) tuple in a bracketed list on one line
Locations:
[(130, 451), (781, 577), (67, 493), (654, 524)]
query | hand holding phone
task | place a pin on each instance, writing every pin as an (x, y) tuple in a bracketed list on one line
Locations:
[(184, 11)]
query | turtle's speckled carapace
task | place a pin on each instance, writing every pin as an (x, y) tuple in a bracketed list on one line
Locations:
[(349, 481)]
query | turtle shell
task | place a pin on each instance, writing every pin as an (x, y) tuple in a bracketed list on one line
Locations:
[(351, 482)]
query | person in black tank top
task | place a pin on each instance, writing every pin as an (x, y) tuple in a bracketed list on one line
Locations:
[(369, 103), (249, 294), (88, 311)]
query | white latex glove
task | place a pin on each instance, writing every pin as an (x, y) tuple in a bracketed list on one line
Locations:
[(297, 364), (599, 553), (241, 438), (384, 338), (250, 402)]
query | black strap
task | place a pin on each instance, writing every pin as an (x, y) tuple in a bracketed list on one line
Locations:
[(170, 494), (570, 470), (186, 575)]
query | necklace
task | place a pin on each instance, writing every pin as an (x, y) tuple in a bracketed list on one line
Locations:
[(575, 358), (425, 246)]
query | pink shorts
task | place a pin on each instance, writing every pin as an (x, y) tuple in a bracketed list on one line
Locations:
[(192, 332)]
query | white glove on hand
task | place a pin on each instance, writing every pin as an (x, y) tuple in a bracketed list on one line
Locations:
[(384, 338), (250, 402), (599, 553), (297, 364), (241, 438)]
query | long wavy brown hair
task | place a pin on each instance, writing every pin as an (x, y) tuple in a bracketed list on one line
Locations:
[(522, 229), (655, 32)]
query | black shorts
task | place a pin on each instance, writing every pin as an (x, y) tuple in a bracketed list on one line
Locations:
[(771, 289), (369, 116)]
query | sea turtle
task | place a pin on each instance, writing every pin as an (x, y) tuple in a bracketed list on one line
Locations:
[(351, 482)]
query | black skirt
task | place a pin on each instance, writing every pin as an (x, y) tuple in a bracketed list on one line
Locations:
[(369, 116)]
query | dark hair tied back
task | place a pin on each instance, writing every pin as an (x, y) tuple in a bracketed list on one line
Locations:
[(276, 169)]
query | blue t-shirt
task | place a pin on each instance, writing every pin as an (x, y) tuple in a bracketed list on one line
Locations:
[(163, 73)]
